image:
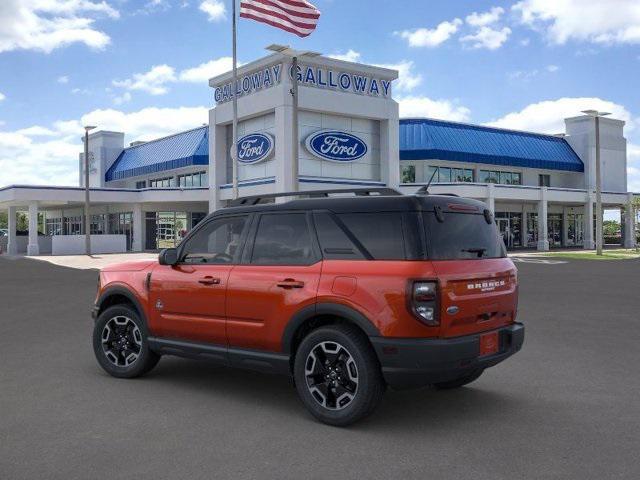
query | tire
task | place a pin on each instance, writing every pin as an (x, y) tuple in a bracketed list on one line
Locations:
[(120, 343), (459, 382), (349, 387)]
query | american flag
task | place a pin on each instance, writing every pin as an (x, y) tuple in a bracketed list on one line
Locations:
[(295, 16)]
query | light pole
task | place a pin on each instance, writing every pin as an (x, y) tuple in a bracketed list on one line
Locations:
[(295, 144), (596, 114), (87, 217)]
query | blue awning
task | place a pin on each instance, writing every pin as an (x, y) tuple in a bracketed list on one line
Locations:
[(427, 139), (183, 149)]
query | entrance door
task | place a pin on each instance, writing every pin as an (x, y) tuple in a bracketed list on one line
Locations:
[(279, 276), (504, 227), (187, 300)]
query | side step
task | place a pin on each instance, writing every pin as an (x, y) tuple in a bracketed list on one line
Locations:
[(258, 360)]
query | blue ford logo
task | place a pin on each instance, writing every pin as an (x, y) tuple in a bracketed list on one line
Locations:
[(336, 146), (255, 147)]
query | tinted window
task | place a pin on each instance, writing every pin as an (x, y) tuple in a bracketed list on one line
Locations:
[(283, 240), (380, 233), (334, 242), (462, 236), (217, 242)]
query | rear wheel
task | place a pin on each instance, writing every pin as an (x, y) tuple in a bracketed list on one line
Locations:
[(337, 375), (120, 343), (459, 382)]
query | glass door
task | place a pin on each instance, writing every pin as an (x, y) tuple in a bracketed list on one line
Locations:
[(554, 229)]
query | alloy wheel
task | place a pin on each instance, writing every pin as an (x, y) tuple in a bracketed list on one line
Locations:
[(332, 375), (121, 341)]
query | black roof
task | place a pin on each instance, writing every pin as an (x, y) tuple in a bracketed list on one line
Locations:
[(378, 203)]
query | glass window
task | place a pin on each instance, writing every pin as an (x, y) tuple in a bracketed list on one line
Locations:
[(444, 174), (544, 180), (334, 242), (380, 233), (408, 174), (283, 239), (430, 174), (516, 178), (462, 236), (505, 178), (462, 175), (141, 184), (217, 242)]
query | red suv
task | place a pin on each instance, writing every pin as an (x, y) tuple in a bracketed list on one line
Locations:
[(347, 294)]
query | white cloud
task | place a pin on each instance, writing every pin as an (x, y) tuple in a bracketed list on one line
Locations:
[(548, 116), (2, 96), (486, 18), (487, 37), (120, 99), (526, 75), (552, 68), (214, 9), (154, 81), (420, 106), (595, 21), (203, 72), (407, 78), (63, 79), (349, 56), (45, 25), (48, 155), (424, 37), (525, 42)]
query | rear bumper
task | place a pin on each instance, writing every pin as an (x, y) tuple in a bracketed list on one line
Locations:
[(411, 363)]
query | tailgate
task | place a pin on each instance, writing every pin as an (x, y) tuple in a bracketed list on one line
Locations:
[(476, 295)]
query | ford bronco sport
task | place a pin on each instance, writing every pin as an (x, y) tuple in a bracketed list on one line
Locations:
[(347, 294)]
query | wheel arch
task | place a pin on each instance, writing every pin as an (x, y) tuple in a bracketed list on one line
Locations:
[(119, 295), (320, 314)]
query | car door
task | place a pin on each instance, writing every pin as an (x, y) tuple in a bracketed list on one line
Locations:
[(187, 300), (278, 275)]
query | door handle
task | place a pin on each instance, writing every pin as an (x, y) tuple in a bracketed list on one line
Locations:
[(209, 281), (290, 283)]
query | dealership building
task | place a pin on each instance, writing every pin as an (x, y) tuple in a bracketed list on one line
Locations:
[(147, 195)]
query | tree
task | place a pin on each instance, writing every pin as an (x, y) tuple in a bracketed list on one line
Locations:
[(3, 220)]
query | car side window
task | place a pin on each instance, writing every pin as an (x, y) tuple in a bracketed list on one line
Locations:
[(334, 241), (217, 242), (283, 239), (380, 233)]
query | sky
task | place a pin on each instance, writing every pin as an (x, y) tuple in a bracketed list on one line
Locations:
[(142, 66)]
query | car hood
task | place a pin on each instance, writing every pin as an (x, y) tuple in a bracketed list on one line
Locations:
[(132, 266)]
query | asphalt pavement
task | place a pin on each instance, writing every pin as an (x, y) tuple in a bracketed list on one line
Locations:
[(566, 407)]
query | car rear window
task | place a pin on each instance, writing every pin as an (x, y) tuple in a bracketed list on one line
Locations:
[(462, 236)]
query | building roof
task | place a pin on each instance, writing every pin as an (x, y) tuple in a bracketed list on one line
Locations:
[(183, 149), (427, 139)]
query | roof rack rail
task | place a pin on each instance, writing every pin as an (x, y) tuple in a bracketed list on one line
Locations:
[(256, 199)]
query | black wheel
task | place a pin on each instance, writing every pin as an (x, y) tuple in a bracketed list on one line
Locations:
[(120, 343), (459, 382), (337, 375)]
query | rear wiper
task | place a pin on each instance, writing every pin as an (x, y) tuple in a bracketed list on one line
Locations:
[(479, 251)]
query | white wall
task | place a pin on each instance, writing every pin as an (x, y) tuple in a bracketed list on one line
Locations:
[(105, 147), (74, 244)]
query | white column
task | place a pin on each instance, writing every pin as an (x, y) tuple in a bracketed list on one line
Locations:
[(136, 244), (589, 242), (283, 154), (491, 200), (629, 224), (12, 245), (543, 238), (390, 150), (33, 248)]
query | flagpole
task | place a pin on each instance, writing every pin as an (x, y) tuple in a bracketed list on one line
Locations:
[(294, 125), (234, 146)]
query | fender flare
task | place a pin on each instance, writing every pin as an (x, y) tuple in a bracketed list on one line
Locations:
[(125, 292), (335, 309)]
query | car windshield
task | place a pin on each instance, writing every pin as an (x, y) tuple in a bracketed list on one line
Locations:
[(462, 236)]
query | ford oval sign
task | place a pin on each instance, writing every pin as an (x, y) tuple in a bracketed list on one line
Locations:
[(336, 146), (255, 148)]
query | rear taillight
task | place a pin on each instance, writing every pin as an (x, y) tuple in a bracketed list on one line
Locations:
[(423, 302)]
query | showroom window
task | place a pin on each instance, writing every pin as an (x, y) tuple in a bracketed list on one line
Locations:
[(447, 174), (408, 174), (503, 178)]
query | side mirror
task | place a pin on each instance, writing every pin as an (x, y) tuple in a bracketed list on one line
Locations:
[(168, 256)]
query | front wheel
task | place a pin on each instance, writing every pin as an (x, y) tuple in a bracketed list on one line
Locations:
[(337, 375), (120, 343)]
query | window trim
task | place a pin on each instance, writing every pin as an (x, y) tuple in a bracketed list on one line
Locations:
[(203, 224), (252, 234)]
